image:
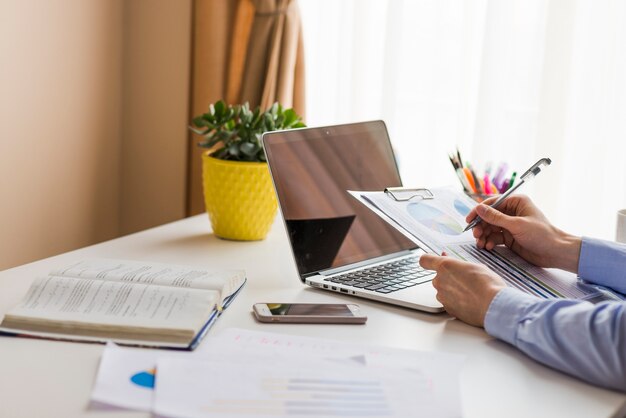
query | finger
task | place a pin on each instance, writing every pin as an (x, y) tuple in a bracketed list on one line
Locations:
[(431, 261), (494, 216), (494, 240), (450, 311), (508, 239), (435, 282), (489, 229), (471, 215), (486, 231), (439, 298), (490, 201)]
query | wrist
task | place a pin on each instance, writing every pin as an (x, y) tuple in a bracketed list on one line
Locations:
[(567, 252), (490, 294)]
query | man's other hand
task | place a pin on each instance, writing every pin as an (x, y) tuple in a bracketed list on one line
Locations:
[(464, 289)]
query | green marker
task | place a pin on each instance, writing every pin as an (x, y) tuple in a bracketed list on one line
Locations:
[(512, 179)]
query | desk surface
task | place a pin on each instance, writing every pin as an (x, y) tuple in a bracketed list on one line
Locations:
[(50, 378)]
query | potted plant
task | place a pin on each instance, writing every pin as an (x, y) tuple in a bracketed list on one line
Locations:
[(238, 191)]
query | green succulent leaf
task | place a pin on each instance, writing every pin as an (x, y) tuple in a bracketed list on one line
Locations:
[(248, 149), (220, 108), (233, 132), (233, 149)]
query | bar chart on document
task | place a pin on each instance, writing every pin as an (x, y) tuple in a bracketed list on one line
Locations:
[(310, 396), (439, 222), (287, 392)]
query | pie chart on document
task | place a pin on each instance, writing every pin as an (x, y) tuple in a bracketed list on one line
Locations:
[(434, 219)]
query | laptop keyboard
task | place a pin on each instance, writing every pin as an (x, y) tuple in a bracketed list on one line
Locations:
[(386, 278)]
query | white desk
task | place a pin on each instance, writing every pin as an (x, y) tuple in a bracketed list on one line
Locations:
[(53, 379)]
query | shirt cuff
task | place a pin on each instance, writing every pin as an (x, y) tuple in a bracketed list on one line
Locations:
[(505, 313), (589, 249)]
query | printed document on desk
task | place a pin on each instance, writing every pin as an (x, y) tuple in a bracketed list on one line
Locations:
[(277, 375), (187, 389), (127, 376), (436, 225)]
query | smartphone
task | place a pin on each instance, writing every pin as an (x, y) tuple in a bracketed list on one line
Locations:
[(309, 313)]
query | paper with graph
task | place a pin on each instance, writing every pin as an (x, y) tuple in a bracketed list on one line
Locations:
[(188, 389), (246, 373), (437, 225), (287, 376)]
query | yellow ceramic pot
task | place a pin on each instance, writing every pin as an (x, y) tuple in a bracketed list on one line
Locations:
[(239, 198)]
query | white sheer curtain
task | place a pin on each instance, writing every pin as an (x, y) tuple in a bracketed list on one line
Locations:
[(504, 80)]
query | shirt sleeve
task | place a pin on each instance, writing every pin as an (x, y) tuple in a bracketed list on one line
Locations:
[(584, 340), (603, 263)]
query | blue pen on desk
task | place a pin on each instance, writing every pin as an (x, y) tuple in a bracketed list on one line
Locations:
[(529, 174)]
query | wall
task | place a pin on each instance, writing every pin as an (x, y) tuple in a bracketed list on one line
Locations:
[(93, 102), (156, 65)]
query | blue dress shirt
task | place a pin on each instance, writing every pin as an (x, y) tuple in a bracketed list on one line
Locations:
[(585, 340)]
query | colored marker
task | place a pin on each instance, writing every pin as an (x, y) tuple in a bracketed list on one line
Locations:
[(505, 185), (528, 175), (512, 179), (497, 179), (487, 184), (475, 178), (470, 179), (452, 162), (461, 175)]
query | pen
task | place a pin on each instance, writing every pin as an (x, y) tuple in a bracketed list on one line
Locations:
[(528, 175)]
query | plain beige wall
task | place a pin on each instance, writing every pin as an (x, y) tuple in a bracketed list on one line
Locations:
[(93, 109), (156, 63)]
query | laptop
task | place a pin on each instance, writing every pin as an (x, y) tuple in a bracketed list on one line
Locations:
[(338, 244)]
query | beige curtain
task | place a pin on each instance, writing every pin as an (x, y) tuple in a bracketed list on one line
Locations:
[(243, 51)]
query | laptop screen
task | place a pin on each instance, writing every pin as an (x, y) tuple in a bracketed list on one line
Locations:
[(312, 171)]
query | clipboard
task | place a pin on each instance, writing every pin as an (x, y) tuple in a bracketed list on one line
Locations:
[(434, 218), (405, 194)]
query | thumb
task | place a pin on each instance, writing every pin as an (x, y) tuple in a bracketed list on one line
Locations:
[(494, 216), (430, 261)]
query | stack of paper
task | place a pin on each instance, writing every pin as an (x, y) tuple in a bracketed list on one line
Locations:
[(250, 374)]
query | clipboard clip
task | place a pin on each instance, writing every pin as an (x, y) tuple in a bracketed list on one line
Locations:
[(404, 194)]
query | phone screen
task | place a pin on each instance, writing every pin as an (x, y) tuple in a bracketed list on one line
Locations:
[(309, 309)]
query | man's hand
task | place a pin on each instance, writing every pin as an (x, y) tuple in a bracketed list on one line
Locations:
[(520, 225), (464, 289)]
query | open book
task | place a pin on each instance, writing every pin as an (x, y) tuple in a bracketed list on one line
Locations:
[(128, 302)]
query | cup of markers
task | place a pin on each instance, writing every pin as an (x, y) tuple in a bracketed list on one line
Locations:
[(480, 186)]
